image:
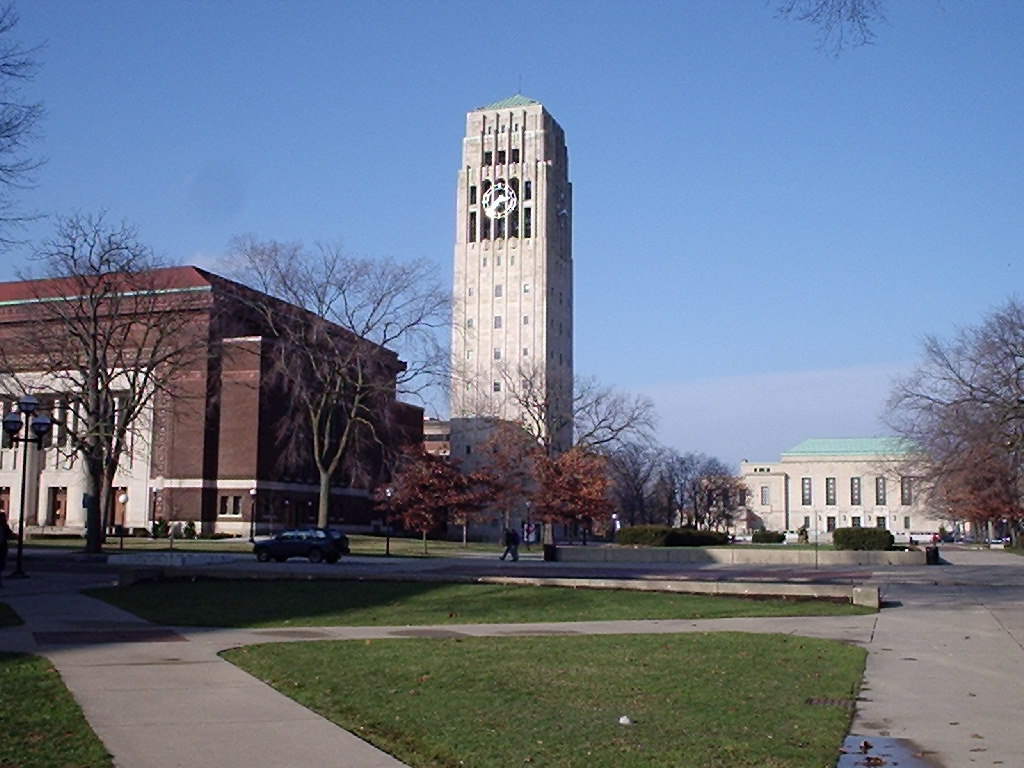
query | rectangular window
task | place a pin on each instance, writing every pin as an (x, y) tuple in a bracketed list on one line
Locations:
[(515, 155), (513, 231), (497, 353), (488, 158), (527, 222), (497, 386), (485, 230), (855, 522), (497, 291), (880, 521), (526, 319), (906, 523), (830, 524), (855, 491), (807, 522), (471, 234), (766, 495), (230, 506), (499, 230), (880, 491), (830, 491), (497, 321), (472, 194), (526, 287), (906, 491), (527, 190), (526, 351), (469, 322), (501, 157), (805, 491)]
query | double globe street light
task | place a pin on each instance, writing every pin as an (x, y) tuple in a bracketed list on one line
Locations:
[(39, 426)]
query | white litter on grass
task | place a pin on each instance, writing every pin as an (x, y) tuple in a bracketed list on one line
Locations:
[(625, 720)]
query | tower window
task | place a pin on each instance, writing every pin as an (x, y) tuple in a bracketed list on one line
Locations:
[(526, 287), (501, 157), (469, 322), (515, 155), (485, 233), (526, 319), (497, 353), (497, 291), (471, 235), (526, 351), (497, 386), (527, 190), (488, 158), (527, 221), (472, 194), (497, 321)]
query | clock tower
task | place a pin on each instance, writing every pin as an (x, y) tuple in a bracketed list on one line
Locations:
[(512, 352)]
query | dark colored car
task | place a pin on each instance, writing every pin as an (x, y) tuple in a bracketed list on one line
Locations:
[(316, 544)]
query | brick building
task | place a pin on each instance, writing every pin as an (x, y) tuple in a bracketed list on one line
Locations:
[(212, 452)]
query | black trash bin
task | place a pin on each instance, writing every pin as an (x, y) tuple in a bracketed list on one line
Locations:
[(550, 552), (931, 555)]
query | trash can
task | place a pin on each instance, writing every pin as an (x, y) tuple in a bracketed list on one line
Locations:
[(931, 555), (550, 552)]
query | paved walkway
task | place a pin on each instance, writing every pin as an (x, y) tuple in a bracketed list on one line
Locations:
[(946, 657)]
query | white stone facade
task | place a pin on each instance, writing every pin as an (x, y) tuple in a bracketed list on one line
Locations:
[(823, 484), (512, 347)]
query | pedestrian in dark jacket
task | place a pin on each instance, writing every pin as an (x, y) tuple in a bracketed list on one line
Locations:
[(511, 544), (6, 537)]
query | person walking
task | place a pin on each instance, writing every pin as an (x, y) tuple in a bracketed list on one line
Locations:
[(511, 544), (6, 536)]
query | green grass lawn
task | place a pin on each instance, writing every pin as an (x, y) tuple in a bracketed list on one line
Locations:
[(43, 727), (721, 700), (368, 603)]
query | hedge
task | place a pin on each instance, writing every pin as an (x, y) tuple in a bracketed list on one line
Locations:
[(764, 536), (665, 536), (862, 538)]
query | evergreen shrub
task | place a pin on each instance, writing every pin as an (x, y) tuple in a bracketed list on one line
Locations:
[(862, 538), (764, 536)]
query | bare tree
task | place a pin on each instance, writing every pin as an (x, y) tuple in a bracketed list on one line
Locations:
[(635, 469), (600, 416), (963, 408), (18, 120), (339, 364), (105, 341), (839, 22)]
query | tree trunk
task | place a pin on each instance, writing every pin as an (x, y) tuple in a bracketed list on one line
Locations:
[(93, 519), (324, 502)]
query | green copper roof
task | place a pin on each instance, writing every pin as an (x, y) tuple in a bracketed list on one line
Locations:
[(851, 446), (512, 101)]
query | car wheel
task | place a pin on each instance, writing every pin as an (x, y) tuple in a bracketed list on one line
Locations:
[(315, 556), (263, 556)]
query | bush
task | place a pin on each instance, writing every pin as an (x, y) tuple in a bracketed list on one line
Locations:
[(189, 531), (160, 528), (664, 536), (862, 538), (764, 536)]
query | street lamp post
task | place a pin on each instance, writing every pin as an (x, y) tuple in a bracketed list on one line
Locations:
[(252, 514), (39, 426), (389, 492)]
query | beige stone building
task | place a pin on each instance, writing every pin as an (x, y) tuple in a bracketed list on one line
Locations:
[(512, 350), (824, 484)]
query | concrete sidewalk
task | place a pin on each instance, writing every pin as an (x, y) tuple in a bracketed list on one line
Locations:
[(945, 660)]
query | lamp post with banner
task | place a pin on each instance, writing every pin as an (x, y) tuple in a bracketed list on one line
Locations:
[(40, 426)]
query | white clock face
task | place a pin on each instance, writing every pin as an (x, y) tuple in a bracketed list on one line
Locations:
[(499, 201)]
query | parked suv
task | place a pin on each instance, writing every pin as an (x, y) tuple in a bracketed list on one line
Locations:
[(317, 544)]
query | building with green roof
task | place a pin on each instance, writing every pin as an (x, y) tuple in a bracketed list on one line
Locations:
[(826, 483)]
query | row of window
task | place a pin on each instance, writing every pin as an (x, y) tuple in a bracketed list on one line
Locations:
[(881, 492), (503, 157), (480, 227)]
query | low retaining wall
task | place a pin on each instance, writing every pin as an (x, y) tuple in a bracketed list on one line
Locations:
[(737, 555)]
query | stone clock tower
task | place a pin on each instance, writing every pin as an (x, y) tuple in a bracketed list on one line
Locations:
[(512, 323)]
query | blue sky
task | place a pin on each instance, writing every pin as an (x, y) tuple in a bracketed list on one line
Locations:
[(763, 233)]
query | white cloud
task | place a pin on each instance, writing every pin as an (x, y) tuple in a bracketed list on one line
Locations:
[(759, 416)]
